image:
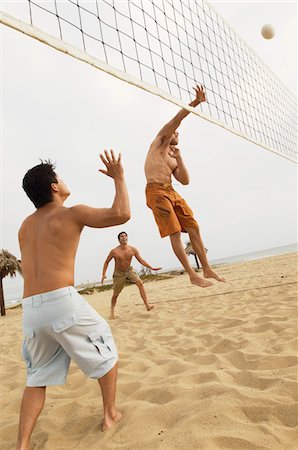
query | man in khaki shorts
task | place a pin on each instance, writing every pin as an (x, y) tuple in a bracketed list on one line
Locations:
[(123, 255), (171, 212), (58, 323)]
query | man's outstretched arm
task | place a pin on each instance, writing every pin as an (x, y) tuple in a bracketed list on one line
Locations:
[(143, 262), (166, 132), (105, 266), (119, 212)]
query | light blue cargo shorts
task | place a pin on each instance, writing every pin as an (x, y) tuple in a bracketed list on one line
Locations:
[(59, 326)]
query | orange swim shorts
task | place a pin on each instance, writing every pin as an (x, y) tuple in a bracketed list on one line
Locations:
[(170, 210)]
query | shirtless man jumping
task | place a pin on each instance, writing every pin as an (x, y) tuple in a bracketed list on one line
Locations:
[(123, 271), (58, 323), (171, 212)]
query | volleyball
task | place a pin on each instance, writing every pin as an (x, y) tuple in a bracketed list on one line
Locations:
[(267, 31)]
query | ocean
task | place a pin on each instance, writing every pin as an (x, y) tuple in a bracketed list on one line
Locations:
[(291, 248), (13, 293)]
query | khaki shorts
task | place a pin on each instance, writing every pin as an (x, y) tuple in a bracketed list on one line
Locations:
[(170, 210), (120, 278), (59, 326)]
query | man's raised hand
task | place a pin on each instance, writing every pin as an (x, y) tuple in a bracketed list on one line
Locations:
[(200, 94), (114, 167)]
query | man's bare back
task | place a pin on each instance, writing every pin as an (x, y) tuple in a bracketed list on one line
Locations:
[(49, 239)]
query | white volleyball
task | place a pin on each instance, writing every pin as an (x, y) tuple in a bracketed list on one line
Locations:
[(267, 31)]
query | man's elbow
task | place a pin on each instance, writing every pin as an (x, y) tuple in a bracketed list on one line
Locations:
[(123, 217), (185, 181)]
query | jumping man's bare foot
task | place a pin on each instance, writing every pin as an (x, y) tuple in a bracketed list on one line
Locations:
[(149, 307), (112, 316), (209, 273), (110, 421), (198, 281)]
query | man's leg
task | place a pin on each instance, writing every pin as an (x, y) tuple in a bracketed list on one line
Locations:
[(108, 389), (144, 296), (198, 246), (32, 405), (113, 305), (182, 256)]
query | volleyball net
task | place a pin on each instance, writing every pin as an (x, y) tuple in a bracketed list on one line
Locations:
[(166, 47)]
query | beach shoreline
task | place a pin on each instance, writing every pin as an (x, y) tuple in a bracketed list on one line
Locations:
[(13, 300)]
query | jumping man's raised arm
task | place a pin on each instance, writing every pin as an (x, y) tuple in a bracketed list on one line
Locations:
[(166, 132), (105, 266)]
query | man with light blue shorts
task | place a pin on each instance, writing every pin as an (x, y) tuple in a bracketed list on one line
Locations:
[(58, 323)]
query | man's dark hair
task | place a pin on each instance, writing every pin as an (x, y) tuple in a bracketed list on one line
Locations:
[(122, 232), (37, 183)]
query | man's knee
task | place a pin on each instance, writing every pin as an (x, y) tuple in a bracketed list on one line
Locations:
[(175, 236), (193, 231), (139, 284)]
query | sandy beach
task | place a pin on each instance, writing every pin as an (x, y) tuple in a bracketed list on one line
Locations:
[(207, 369)]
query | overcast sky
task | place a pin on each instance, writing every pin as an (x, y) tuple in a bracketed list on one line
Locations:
[(54, 106)]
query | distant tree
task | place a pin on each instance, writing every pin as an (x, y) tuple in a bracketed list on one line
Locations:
[(145, 271), (9, 265)]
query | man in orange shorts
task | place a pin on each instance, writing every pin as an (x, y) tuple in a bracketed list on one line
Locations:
[(171, 212)]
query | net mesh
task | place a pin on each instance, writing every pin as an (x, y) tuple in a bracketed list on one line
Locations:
[(174, 44)]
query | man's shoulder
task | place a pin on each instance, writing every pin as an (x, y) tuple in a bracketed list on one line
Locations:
[(43, 215), (75, 212), (133, 249), (73, 208), (25, 223), (60, 213), (28, 219)]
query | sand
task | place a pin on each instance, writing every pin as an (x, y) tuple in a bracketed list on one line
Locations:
[(207, 369)]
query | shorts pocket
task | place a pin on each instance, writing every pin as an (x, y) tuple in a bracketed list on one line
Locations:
[(101, 343), (28, 333), (64, 323), (28, 336), (183, 210)]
